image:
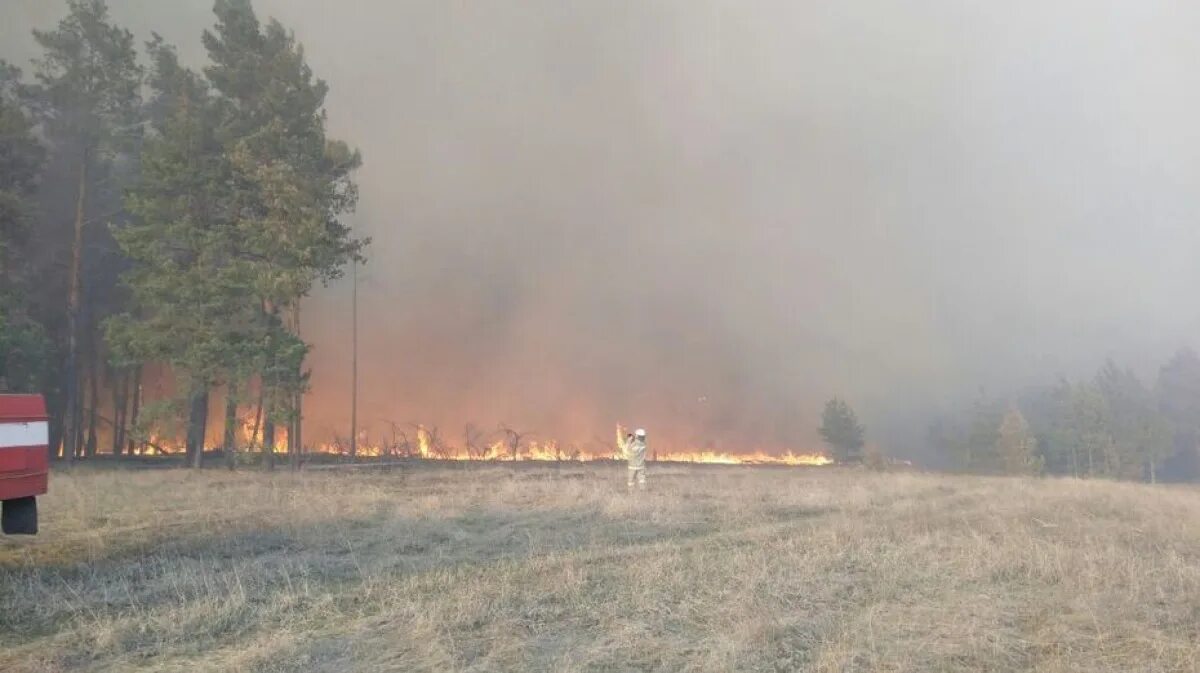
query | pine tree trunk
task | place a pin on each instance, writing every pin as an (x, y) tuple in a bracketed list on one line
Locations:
[(258, 413), (71, 385), (116, 384), (268, 446), (267, 403), (93, 395), (135, 409), (77, 419), (291, 433), (197, 422), (295, 445), (120, 397), (230, 443), (294, 435), (56, 436), (354, 368), (268, 432)]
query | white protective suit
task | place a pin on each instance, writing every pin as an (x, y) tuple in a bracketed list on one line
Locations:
[(635, 455)]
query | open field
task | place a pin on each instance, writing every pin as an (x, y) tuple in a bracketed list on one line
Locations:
[(499, 569)]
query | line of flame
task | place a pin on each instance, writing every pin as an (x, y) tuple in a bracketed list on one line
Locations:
[(428, 447)]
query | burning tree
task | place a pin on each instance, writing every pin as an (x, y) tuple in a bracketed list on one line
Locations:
[(512, 440), (429, 442), (473, 442), (398, 446)]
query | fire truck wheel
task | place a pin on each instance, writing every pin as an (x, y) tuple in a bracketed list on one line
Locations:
[(20, 516)]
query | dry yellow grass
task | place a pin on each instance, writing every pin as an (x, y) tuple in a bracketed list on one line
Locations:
[(499, 569)]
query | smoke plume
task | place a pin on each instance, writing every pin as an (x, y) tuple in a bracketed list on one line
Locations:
[(705, 218)]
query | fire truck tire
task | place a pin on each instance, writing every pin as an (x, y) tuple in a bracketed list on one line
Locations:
[(20, 516)]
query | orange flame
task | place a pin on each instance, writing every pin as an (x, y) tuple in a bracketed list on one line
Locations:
[(512, 447), (429, 446)]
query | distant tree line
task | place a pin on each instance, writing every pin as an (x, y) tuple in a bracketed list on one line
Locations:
[(1111, 425), (157, 217)]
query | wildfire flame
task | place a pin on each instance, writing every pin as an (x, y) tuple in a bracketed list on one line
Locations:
[(429, 446), (426, 444)]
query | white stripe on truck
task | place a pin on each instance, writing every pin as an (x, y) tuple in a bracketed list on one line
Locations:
[(36, 433)]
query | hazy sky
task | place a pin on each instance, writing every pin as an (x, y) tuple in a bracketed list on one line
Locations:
[(708, 217)]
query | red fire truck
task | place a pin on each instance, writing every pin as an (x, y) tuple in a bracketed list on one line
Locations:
[(24, 461)]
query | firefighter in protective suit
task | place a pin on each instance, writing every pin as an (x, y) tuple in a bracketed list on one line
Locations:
[(635, 456)]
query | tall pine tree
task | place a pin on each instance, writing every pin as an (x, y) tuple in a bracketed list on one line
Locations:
[(1140, 434), (1016, 445), (292, 183), (1178, 395), (194, 278), (91, 82), (24, 348)]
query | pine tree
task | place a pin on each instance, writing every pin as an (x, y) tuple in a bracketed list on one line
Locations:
[(1058, 447), (24, 348), (1089, 429), (1016, 446), (842, 432), (982, 435), (1178, 395), (1140, 434), (194, 278), (91, 82), (292, 183), (21, 157)]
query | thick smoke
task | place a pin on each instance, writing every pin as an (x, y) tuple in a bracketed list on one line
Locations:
[(707, 217)]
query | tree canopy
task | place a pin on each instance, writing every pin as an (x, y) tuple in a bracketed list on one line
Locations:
[(218, 201), (842, 432)]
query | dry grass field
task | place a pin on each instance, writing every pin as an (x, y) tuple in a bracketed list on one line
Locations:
[(493, 568)]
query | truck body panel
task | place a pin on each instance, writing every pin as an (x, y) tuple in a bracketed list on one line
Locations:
[(24, 446)]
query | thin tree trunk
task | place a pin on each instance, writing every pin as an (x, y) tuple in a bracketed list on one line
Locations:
[(197, 422), (120, 397), (258, 414), (117, 381), (267, 401), (268, 446), (354, 367), (136, 382), (56, 436), (295, 440), (290, 428), (231, 406), (71, 411), (123, 428), (294, 445), (93, 395), (77, 420)]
